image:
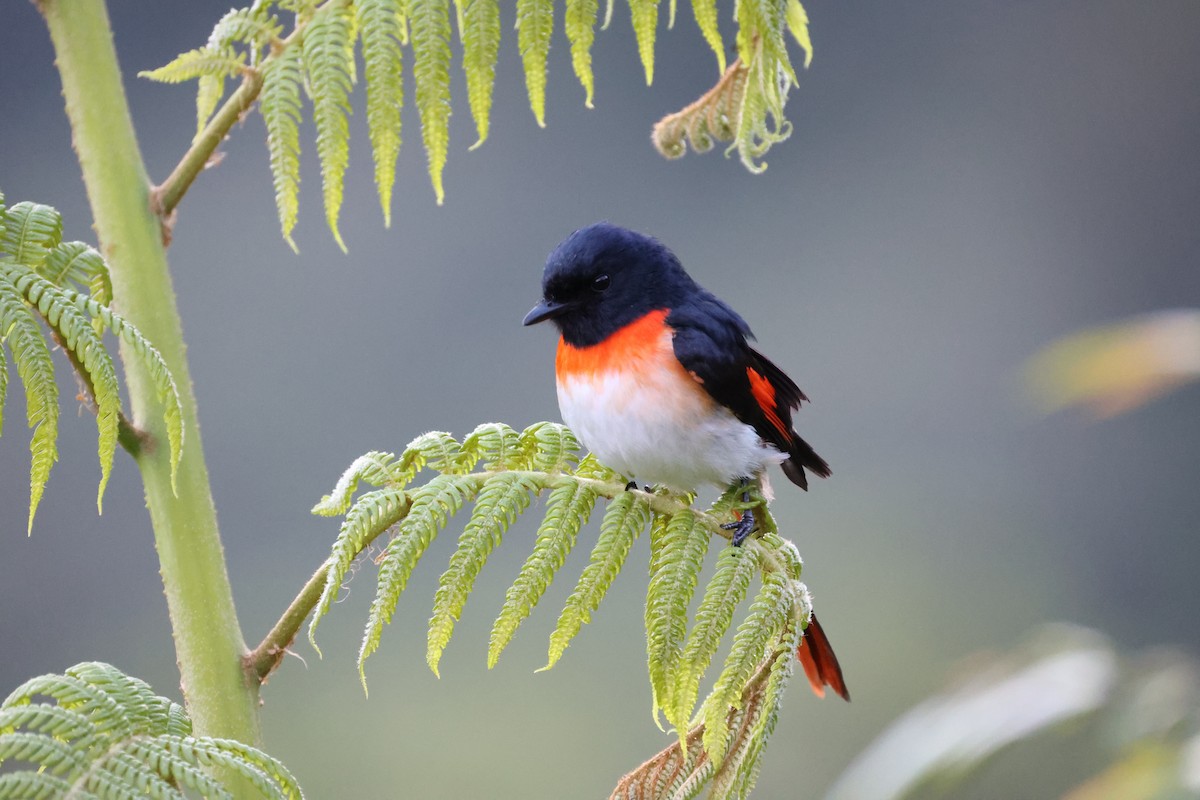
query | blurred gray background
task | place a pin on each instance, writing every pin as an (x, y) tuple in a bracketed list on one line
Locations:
[(966, 181)]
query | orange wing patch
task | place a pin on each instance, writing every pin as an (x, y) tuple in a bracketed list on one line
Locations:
[(764, 395), (623, 350)]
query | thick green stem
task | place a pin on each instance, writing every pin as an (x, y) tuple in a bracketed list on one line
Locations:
[(208, 639)]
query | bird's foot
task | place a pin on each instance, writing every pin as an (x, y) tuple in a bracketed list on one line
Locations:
[(741, 529)]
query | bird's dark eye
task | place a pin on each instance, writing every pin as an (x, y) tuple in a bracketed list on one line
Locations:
[(601, 283)]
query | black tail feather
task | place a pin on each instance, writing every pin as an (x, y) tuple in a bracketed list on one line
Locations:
[(801, 456)]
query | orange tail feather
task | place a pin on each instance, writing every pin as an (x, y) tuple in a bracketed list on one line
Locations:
[(819, 662)]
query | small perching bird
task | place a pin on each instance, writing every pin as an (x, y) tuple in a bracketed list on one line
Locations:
[(657, 378)]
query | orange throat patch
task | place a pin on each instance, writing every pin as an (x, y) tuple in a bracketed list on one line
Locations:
[(624, 350)]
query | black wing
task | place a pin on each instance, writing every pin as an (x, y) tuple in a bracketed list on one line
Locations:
[(710, 342)]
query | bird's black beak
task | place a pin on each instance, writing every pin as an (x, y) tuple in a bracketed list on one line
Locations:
[(547, 309)]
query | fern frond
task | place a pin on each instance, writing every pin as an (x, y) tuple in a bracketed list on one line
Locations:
[(196, 63), (554, 448), (372, 514), (31, 230), (714, 116), (738, 716), (480, 34), (440, 452), (567, 511), (164, 384), (761, 47), (429, 23), (676, 558), (373, 467), (500, 501), (739, 771), (769, 613), (624, 519), (797, 24), (279, 102), (736, 567), (535, 24), (28, 785), (328, 51), (209, 91), (644, 15), (762, 22), (382, 31), (105, 734), (254, 26), (705, 12), (432, 506), (19, 330), (73, 263), (580, 21), (77, 335)]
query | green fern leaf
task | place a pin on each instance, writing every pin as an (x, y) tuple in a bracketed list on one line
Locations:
[(76, 333), (624, 519), (763, 22), (797, 24), (382, 31), (736, 566), (26, 785), (535, 24), (105, 734), (374, 467), (254, 26), (195, 63), (738, 774), (498, 445), (440, 451), (760, 119), (429, 21), (21, 333), (302, 8), (73, 263), (567, 511), (152, 360), (501, 500), (706, 19), (432, 506), (480, 34), (209, 91), (645, 24), (371, 515), (580, 21), (769, 613), (551, 447), (328, 50), (31, 230), (676, 560), (280, 104)]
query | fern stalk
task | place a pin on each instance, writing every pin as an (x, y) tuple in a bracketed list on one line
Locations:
[(208, 139), (208, 638)]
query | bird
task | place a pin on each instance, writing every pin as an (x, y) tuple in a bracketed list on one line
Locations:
[(657, 378)]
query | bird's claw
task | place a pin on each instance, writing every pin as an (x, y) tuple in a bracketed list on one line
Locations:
[(741, 529)]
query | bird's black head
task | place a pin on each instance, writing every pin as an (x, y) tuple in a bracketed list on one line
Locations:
[(603, 277)]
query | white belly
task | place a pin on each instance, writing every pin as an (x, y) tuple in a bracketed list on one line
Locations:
[(623, 420)]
